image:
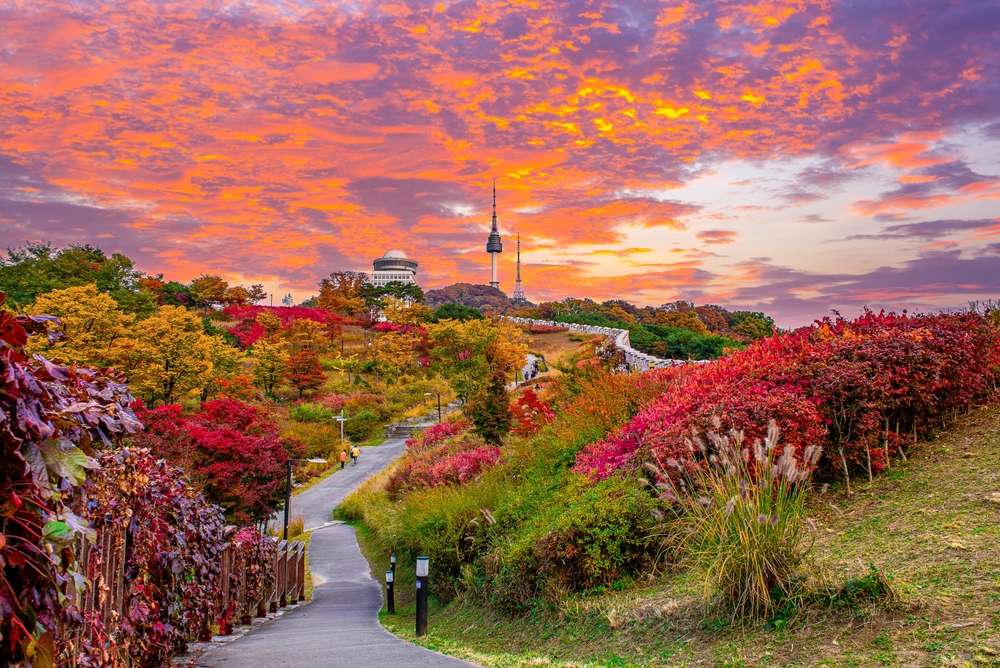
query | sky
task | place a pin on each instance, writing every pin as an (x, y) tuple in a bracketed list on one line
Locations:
[(790, 157)]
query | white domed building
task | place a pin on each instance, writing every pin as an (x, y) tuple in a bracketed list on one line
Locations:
[(394, 266)]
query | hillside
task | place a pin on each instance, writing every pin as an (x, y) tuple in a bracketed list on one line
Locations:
[(931, 525), (482, 297)]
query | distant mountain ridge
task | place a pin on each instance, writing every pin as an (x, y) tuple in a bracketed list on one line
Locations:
[(482, 297)]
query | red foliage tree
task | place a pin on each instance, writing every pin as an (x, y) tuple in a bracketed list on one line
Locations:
[(303, 372), (231, 450)]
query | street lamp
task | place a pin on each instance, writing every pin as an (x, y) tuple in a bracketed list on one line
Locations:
[(423, 570), (288, 488), (430, 394)]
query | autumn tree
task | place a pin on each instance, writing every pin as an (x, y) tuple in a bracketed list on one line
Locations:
[(269, 358), (402, 312), (303, 372), (271, 324), (459, 351), (237, 295), (230, 450), (170, 356), (305, 334), (397, 351), (209, 289), (340, 292), (256, 293), (92, 324)]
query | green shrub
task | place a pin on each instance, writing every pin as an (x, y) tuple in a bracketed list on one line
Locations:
[(601, 536), (743, 517), (310, 413)]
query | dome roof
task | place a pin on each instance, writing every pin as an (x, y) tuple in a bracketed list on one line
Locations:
[(395, 254)]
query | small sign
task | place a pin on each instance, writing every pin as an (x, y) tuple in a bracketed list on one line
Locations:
[(418, 584), (388, 586)]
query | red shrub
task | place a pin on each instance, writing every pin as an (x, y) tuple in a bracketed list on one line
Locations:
[(432, 436), (530, 414), (248, 331), (547, 329), (443, 465), (860, 378)]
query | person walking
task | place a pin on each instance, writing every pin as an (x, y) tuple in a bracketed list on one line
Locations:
[(343, 459), (355, 453)]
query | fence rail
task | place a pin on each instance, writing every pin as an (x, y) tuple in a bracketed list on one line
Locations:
[(636, 361), (107, 597)]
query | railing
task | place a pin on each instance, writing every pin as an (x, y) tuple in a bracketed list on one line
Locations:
[(107, 597), (636, 361)]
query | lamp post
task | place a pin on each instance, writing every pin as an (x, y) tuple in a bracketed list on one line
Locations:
[(423, 569), (341, 420), (430, 394), (288, 489), (389, 595)]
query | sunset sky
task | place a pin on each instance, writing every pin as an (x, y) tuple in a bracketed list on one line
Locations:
[(791, 157)]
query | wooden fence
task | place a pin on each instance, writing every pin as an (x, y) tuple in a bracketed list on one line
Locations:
[(108, 595)]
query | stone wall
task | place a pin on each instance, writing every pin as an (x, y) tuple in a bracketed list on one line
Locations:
[(636, 360)]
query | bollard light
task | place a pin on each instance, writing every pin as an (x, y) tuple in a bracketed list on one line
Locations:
[(390, 596), (423, 568)]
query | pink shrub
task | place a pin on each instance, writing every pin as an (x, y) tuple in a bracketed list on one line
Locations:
[(433, 436), (438, 467)]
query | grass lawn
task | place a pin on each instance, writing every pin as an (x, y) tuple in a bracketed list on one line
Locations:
[(931, 524)]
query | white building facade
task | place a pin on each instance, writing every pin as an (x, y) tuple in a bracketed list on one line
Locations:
[(394, 266)]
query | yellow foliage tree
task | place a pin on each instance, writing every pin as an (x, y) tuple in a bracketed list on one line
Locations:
[(397, 351), (171, 356), (687, 320), (209, 289), (307, 334), (271, 324), (269, 359), (92, 326), (399, 312), (460, 349)]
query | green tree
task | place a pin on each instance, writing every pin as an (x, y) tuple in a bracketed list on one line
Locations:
[(752, 325), (453, 311), (37, 268), (490, 409)]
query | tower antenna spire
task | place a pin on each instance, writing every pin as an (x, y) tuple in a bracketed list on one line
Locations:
[(493, 245), (494, 228), (518, 292)]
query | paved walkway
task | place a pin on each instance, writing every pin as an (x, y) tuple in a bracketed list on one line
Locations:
[(316, 504), (339, 628)]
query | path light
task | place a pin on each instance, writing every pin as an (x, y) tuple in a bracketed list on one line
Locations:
[(423, 568), (392, 563), (389, 595), (288, 488)]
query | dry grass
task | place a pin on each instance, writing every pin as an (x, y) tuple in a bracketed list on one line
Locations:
[(553, 347)]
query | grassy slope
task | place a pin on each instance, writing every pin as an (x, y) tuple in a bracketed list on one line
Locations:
[(932, 523)]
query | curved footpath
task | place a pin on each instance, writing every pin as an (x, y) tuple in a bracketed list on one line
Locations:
[(340, 626)]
